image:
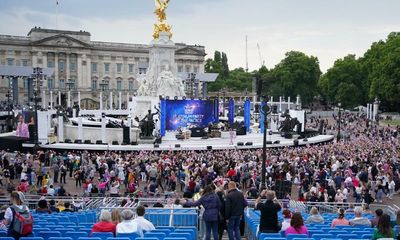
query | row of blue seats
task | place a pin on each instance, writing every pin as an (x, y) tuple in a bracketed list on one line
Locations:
[(316, 236), (160, 233), (89, 238)]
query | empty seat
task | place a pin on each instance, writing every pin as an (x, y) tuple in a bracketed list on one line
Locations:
[(321, 236), (103, 235), (346, 236), (269, 235), (276, 238), (63, 231), (48, 234), (31, 238), (60, 238), (367, 236), (166, 231), (89, 238), (312, 232), (75, 235), (337, 232), (3, 234), (131, 236), (293, 236), (158, 235), (185, 235)]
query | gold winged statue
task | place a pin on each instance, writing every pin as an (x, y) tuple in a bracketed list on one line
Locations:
[(161, 26)]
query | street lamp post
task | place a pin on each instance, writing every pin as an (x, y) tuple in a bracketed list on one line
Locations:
[(37, 84), (264, 110), (340, 119), (70, 85), (10, 106)]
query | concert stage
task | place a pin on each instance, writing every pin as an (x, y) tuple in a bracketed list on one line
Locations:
[(249, 141)]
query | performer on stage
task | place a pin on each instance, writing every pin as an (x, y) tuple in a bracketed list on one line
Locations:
[(22, 128)]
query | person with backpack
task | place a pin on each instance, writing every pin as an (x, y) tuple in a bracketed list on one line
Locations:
[(18, 217)]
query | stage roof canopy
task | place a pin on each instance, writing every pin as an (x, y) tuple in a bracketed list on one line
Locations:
[(20, 71), (202, 77)]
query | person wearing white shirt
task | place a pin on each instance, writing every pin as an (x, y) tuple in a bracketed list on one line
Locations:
[(127, 225), (143, 224)]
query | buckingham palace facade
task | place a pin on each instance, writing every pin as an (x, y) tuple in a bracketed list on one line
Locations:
[(82, 65)]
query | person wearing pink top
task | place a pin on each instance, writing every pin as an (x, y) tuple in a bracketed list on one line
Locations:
[(297, 225), (340, 220)]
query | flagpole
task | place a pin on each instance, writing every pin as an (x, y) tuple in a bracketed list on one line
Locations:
[(56, 14)]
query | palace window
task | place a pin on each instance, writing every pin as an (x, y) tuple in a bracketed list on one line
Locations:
[(106, 67), (130, 85), (94, 84), (130, 66), (61, 66), (50, 64), (72, 66), (25, 62), (10, 61), (94, 67), (62, 84), (50, 84), (26, 83), (119, 67), (119, 85)]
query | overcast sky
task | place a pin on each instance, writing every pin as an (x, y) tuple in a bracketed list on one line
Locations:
[(327, 29)]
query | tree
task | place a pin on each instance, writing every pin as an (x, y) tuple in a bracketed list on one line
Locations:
[(296, 74), (382, 66), (344, 77)]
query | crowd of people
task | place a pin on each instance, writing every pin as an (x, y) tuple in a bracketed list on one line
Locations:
[(362, 167)]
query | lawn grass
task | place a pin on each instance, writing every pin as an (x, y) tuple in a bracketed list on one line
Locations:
[(395, 122)]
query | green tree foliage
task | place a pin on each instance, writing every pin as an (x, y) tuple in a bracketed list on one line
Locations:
[(382, 66), (235, 80), (344, 83), (296, 74)]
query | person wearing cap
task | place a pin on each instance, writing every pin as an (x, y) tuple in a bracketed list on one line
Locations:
[(17, 200)]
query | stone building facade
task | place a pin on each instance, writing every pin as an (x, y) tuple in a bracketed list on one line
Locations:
[(85, 66)]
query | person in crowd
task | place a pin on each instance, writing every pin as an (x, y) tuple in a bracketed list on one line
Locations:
[(42, 207), (127, 225), (358, 219), (340, 220), (212, 205), (378, 214), (384, 229), (52, 206), (287, 218), (18, 206), (296, 225), (144, 224), (221, 219), (105, 224), (315, 217), (235, 204), (269, 212), (67, 207), (116, 216)]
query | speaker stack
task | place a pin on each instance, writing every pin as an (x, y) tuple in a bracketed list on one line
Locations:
[(282, 188), (126, 139)]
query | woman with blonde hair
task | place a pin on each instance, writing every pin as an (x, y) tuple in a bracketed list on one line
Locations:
[(315, 217), (116, 216)]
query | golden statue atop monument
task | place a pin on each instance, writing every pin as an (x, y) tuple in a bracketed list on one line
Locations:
[(161, 26)]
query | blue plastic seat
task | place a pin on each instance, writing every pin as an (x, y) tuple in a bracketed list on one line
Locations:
[(269, 235), (166, 227), (347, 236), (103, 235), (367, 236), (118, 238), (143, 238), (312, 232), (158, 235), (3, 234), (337, 232), (360, 233), (86, 230), (191, 230), (7, 238), (293, 236), (185, 235), (131, 236), (60, 238), (48, 234), (166, 231), (321, 236), (31, 238), (76, 235), (89, 238), (63, 231), (275, 238)]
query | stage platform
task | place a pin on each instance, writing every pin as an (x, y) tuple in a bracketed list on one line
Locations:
[(169, 143)]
